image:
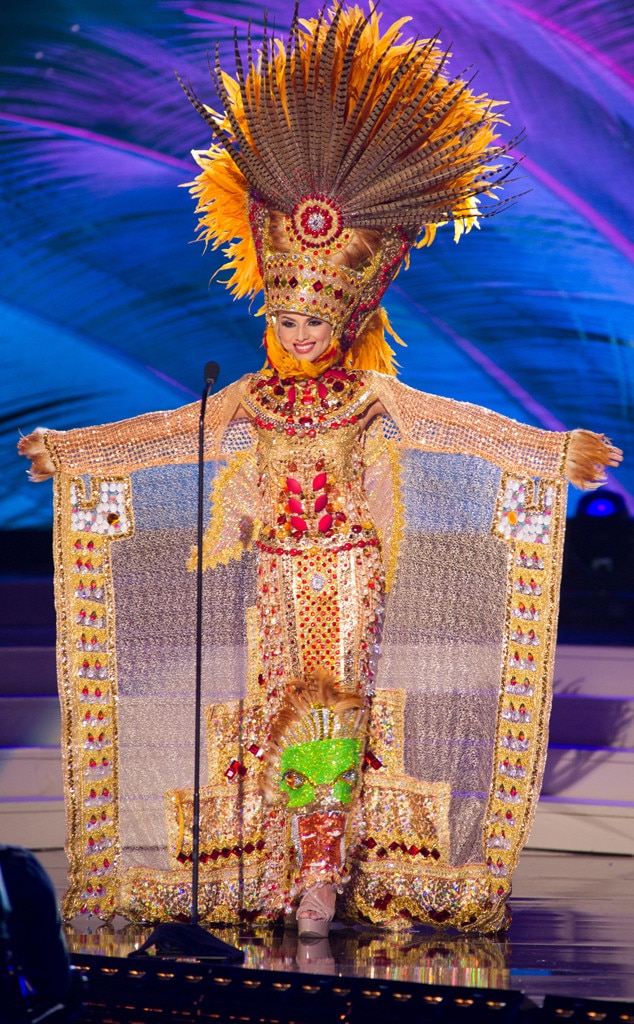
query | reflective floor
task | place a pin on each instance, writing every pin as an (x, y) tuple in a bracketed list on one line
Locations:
[(572, 933)]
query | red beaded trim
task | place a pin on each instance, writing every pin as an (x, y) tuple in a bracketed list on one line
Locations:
[(412, 851), (225, 853), (348, 546), (308, 419)]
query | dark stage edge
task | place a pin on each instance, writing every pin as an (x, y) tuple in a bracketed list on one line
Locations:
[(316, 988), (568, 955)]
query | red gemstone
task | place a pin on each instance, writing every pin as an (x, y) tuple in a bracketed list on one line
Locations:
[(319, 481), (321, 502), (324, 523), (233, 769), (299, 524), (372, 760), (295, 506), (293, 485)]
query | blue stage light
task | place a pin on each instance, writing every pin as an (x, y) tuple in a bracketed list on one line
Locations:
[(601, 507), (606, 505)]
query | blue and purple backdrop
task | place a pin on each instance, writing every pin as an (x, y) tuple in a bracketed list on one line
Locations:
[(107, 308)]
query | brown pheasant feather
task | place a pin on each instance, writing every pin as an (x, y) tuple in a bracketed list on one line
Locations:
[(366, 120)]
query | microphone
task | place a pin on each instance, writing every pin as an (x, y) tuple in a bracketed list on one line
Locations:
[(211, 373)]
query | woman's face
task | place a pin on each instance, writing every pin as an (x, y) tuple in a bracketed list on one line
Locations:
[(305, 337)]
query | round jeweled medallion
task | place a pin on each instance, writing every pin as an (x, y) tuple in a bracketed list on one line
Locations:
[(317, 221)]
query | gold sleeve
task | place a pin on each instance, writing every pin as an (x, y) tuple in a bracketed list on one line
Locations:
[(433, 423), (152, 439)]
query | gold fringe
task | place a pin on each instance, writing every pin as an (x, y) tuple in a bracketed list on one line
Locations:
[(221, 504), (33, 446), (587, 455)]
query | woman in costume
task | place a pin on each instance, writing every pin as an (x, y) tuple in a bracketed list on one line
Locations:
[(370, 519)]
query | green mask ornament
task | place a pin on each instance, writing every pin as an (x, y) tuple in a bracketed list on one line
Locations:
[(313, 768), (325, 769), (315, 747)]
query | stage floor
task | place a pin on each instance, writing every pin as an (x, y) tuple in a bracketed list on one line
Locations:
[(572, 934)]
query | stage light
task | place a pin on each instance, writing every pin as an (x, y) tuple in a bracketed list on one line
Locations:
[(588, 1011), (601, 507), (597, 591), (605, 505), (230, 993)]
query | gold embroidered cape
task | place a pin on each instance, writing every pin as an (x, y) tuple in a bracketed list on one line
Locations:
[(469, 507)]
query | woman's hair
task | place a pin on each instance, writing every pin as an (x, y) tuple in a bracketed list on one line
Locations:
[(363, 245)]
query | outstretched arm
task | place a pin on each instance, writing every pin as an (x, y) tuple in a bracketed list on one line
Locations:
[(433, 423), (147, 440)]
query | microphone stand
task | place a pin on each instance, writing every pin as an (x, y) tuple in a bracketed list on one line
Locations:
[(174, 938)]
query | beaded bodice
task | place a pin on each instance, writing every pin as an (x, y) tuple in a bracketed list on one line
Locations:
[(310, 461)]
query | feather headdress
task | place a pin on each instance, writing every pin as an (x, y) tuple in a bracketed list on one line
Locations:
[(336, 152)]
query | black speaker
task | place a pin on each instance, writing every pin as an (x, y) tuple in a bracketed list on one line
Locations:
[(35, 977)]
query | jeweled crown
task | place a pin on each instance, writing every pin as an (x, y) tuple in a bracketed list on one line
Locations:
[(307, 277)]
